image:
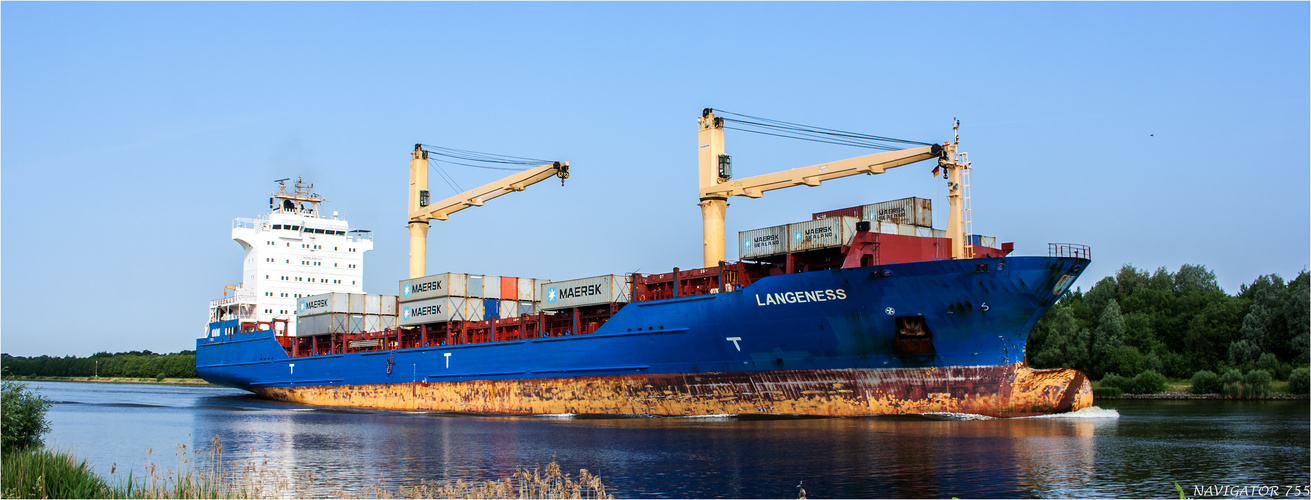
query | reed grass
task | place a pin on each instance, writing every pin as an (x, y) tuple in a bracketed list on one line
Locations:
[(36, 472)]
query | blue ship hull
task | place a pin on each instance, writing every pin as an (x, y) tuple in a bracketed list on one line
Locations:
[(712, 353)]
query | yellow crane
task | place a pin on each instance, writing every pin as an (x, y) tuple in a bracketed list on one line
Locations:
[(421, 211), (717, 184)]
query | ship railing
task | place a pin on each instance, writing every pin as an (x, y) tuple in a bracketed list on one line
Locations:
[(246, 223), (1069, 250)]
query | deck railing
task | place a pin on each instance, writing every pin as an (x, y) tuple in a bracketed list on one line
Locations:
[(1069, 250)]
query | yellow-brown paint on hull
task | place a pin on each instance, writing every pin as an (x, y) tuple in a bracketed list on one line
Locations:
[(1011, 390)]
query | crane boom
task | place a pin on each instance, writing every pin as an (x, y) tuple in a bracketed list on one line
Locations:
[(716, 186), (421, 211), (755, 187)]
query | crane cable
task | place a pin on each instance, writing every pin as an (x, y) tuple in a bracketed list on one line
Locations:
[(790, 130), (476, 157)]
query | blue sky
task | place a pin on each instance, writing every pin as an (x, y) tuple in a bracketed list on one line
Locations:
[(1159, 134)]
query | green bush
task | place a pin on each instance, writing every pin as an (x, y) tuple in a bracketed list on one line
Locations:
[(159, 377), (22, 416), (1107, 392), (1116, 381), (1233, 383), (1206, 382), (1257, 384), (1299, 382), (1148, 382)]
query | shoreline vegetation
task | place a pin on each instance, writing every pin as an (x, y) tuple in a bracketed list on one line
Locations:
[(119, 380)]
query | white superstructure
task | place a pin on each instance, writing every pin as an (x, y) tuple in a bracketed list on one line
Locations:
[(292, 252)]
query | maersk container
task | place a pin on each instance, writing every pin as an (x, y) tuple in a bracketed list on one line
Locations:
[(434, 310), (908, 211), (436, 285), (509, 288), (763, 242), (824, 233), (527, 289), (610, 288), (492, 287), (476, 286), (342, 302)]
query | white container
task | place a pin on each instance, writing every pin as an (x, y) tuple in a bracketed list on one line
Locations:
[(527, 289), (939, 233), (509, 309), (906, 211), (988, 241), (492, 287), (342, 302), (824, 233), (436, 285), (885, 227), (592, 291), (906, 230), (527, 307), (763, 242), (435, 310), (476, 286), (923, 232)]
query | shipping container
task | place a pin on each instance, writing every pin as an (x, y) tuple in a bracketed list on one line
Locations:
[(509, 288), (436, 285), (527, 289), (491, 287), (509, 309), (824, 233), (885, 227), (939, 233), (907, 211), (439, 309), (857, 212), (764, 242), (475, 286), (906, 230), (342, 302), (923, 232), (328, 323), (988, 241), (492, 308), (610, 288), (527, 307)]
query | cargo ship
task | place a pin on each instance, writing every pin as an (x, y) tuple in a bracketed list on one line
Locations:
[(866, 310)]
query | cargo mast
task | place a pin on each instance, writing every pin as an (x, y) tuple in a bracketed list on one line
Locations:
[(716, 184), (421, 211)]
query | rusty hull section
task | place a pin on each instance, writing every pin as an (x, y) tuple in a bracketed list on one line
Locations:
[(1010, 390)]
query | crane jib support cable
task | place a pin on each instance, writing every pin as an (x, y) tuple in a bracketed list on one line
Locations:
[(789, 130)]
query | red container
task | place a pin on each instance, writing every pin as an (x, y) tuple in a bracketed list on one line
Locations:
[(856, 212), (509, 288)]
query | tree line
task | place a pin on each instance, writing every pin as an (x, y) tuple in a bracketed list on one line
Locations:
[(1176, 324), (132, 364)]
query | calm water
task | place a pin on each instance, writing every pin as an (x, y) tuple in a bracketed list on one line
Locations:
[(1124, 449)]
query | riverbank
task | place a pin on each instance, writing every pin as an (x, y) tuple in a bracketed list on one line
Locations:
[(1172, 395), (118, 380)]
